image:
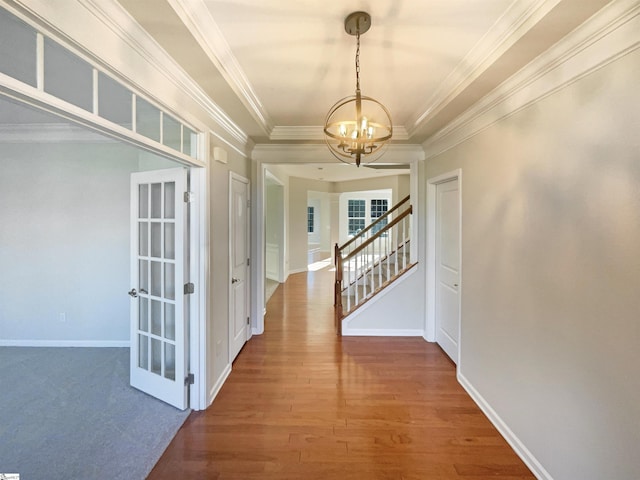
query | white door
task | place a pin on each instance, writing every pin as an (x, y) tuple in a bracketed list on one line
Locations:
[(239, 268), (447, 301), (158, 326)]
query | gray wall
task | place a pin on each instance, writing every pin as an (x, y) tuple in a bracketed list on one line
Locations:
[(64, 242), (299, 189), (218, 317), (551, 272)]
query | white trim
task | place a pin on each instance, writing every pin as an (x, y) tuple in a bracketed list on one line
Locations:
[(381, 332), (65, 343), (519, 18), (198, 19), (430, 321), (50, 133), (257, 248), (234, 176), (127, 29), (28, 95), (198, 274), (45, 18), (518, 446), (298, 270), (317, 153), (202, 193), (366, 306), (614, 30), (315, 132), (213, 393), (231, 145)]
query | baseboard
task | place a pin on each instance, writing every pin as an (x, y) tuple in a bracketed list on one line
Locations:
[(298, 270), (64, 343), (370, 304), (381, 332), (213, 393), (521, 450)]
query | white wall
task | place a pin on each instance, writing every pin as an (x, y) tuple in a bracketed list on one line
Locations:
[(322, 236), (297, 220), (274, 230), (64, 243), (551, 268)]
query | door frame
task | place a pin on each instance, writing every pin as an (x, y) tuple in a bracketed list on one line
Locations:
[(198, 225), (430, 321), (282, 231), (234, 176)]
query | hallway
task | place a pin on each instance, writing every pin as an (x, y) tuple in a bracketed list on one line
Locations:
[(301, 403)]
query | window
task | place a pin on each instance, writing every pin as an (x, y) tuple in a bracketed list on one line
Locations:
[(310, 219), (378, 208), (17, 49), (68, 76), (114, 101), (356, 216)]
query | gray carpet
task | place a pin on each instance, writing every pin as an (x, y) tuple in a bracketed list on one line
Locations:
[(70, 413)]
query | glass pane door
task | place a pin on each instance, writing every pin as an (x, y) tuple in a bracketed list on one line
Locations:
[(158, 331)]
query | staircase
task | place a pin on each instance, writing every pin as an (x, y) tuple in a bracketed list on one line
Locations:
[(372, 260)]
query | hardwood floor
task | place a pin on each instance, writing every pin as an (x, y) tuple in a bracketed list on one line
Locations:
[(302, 403)]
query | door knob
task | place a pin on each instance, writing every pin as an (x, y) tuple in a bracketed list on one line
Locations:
[(133, 293), (234, 280)]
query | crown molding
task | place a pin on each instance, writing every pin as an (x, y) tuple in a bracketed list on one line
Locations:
[(607, 36), (520, 17), (199, 21), (314, 132), (125, 27), (318, 153)]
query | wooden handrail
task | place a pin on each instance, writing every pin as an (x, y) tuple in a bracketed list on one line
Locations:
[(379, 233), (380, 218), (375, 264), (340, 261)]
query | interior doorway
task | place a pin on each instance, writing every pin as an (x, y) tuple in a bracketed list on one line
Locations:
[(274, 208), (70, 236), (444, 251), (319, 249)]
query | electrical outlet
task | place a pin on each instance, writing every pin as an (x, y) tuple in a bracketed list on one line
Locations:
[(62, 317)]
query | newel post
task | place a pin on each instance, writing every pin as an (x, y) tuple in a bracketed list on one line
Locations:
[(337, 290)]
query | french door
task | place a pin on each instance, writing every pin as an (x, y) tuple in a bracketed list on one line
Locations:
[(158, 321)]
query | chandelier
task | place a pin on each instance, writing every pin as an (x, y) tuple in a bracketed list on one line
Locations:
[(357, 126)]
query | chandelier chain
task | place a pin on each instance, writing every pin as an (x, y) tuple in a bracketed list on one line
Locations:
[(358, 62), (364, 137)]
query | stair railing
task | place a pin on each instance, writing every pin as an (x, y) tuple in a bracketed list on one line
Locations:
[(364, 234), (368, 262)]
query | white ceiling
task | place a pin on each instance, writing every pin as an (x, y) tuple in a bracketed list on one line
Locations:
[(277, 66)]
